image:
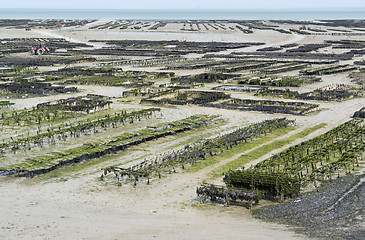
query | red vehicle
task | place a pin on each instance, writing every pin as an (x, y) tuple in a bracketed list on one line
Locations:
[(39, 50)]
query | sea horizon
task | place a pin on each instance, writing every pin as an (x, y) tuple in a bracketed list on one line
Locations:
[(186, 14)]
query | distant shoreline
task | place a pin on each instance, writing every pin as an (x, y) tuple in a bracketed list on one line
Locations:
[(144, 15)]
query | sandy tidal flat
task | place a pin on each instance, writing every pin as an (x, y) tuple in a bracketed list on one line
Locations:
[(79, 206)]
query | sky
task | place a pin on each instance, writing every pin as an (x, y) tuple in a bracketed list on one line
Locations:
[(186, 4)]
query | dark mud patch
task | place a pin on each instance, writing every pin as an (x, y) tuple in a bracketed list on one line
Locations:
[(334, 211)]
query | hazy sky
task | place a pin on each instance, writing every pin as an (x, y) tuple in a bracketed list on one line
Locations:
[(184, 4)]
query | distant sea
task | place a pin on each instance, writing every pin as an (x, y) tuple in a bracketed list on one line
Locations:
[(182, 14)]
